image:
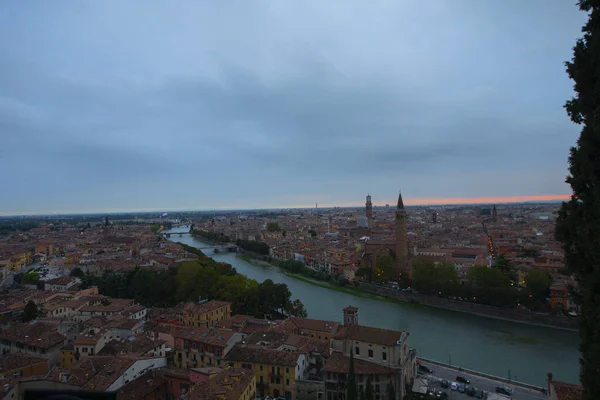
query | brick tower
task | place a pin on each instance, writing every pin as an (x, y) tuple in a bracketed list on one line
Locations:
[(402, 266), (369, 211)]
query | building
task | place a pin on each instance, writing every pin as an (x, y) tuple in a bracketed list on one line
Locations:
[(33, 338), (314, 328), (369, 211), (384, 347), (402, 265), (229, 384), (102, 373), (563, 391), (276, 370), (203, 347), (336, 377), (22, 365), (559, 295), (67, 355), (61, 284), (205, 313)]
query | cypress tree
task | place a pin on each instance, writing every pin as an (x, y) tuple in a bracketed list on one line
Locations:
[(369, 395), (578, 223), (391, 393), (351, 389)]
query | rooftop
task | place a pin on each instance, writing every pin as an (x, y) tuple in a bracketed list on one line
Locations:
[(339, 363), (261, 355), (11, 361), (369, 334), (228, 385), (33, 333)]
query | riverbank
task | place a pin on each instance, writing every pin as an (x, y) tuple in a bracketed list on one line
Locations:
[(547, 321), (367, 290)]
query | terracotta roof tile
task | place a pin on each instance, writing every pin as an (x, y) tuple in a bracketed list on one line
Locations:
[(262, 355), (339, 363), (370, 334)]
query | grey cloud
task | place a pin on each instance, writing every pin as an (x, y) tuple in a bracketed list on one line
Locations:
[(286, 104)]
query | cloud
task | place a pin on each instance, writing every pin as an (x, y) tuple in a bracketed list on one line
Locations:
[(196, 104)]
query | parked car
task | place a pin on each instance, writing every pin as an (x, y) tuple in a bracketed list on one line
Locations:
[(441, 395), (478, 393), (462, 379), (425, 369), (445, 384), (503, 390), (461, 387), (454, 386), (470, 391)]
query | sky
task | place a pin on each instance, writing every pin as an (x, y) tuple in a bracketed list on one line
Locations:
[(142, 105)]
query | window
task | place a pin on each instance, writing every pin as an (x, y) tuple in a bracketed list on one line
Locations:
[(287, 370), (377, 388), (261, 367), (384, 356), (357, 350), (370, 353), (287, 382), (376, 378)]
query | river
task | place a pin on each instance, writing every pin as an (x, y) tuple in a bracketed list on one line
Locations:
[(492, 346)]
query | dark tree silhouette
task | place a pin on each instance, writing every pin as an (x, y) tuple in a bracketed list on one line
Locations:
[(578, 223)]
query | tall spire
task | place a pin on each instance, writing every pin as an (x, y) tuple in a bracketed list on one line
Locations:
[(400, 202)]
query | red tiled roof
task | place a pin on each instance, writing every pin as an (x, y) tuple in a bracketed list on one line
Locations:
[(261, 355), (369, 334), (339, 363), (567, 391)]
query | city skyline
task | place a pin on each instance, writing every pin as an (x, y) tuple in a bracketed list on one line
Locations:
[(184, 112), (407, 201)]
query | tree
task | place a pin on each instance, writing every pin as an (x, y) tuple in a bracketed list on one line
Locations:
[(384, 268), (369, 395), (77, 272), (505, 267), (490, 286), (578, 222), (30, 278), (365, 272), (432, 278), (391, 393), (296, 309), (312, 232), (351, 388), (538, 284), (30, 312), (273, 227), (361, 393)]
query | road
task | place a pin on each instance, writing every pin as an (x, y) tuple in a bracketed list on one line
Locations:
[(488, 385)]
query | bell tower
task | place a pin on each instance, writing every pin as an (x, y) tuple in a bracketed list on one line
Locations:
[(402, 266), (369, 211), (350, 316)]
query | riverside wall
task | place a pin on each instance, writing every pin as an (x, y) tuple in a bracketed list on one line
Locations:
[(474, 308)]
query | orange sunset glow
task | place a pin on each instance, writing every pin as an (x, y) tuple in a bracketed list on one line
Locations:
[(485, 200)]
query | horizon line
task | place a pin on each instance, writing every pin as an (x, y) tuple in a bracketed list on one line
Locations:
[(408, 201)]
